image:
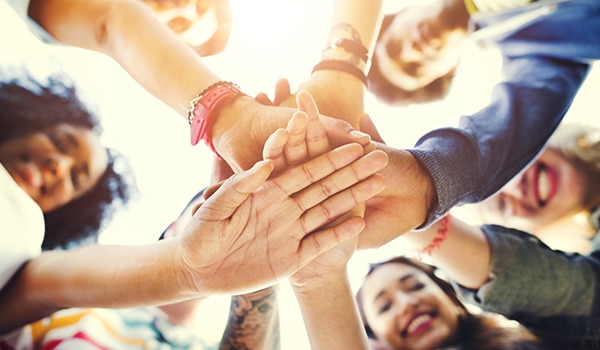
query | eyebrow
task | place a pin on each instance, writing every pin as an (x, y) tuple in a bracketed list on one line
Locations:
[(401, 280), (72, 139)]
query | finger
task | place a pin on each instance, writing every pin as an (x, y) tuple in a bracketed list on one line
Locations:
[(274, 149), (342, 203), (295, 150), (316, 135), (262, 98), (367, 126), (321, 241), (220, 170), (234, 191), (342, 179), (282, 91), (300, 177), (341, 132)]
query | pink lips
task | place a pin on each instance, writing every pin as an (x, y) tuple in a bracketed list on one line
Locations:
[(31, 174), (418, 324)]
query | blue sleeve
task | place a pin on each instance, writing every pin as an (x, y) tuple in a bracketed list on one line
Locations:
[(471, 162)]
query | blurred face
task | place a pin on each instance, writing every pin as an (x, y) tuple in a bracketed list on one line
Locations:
[(194, 21), (407, 310), (421, 44), (550, 189), (57, 165)]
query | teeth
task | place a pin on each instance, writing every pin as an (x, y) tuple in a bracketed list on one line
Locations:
[(543, 185), (417, 322)]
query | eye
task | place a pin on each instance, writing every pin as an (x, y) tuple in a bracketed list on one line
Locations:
[(75, 178), (416, 286), (57, 142), (384, 307)]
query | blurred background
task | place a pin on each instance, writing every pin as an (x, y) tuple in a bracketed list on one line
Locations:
[(269, 39)]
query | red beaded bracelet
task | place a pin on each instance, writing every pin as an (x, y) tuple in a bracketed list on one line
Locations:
[(435, 242), (205, 107)]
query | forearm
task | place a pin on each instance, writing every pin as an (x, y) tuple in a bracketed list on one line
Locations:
[(330, 313), (566, 284), (95, 276), (460, 250), (129, 32), (356, 19), (161, 63), (338, 93), (253, 321)]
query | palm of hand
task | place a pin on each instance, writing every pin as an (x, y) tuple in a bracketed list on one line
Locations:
[(280, 240)]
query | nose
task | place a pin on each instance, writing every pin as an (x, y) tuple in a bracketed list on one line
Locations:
[(515, 187), (406, 302), (58, 166)]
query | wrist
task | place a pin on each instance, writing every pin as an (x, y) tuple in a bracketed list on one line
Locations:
[(307, 287), (205, 109), (242, 129)]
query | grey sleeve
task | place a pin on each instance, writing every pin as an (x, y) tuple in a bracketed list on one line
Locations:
[(527, 277)]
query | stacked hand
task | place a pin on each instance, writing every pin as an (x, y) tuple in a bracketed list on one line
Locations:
[(267, 223)]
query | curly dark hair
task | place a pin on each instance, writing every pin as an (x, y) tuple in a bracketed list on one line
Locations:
[(28, 105), (391, 94), (476, 331)]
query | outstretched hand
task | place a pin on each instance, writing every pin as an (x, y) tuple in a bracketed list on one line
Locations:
[(304, 138)]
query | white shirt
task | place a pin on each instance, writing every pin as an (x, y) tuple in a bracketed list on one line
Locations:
[(21, 227)]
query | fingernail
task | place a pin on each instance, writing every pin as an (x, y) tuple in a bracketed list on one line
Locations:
[(357, 135)]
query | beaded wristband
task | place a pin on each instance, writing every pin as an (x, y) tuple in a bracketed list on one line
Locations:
[(350, 46), (341, 66), (436, 241), (205, 107)]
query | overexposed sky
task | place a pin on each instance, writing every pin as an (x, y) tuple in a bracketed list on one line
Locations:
[(270, 39)]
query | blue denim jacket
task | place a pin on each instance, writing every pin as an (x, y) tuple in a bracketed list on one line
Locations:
[(554, 294), (546, 58)]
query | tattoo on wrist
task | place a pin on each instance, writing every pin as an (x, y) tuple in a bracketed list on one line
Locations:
[(253, 320)]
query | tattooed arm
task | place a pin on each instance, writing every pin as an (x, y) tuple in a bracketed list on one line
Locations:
[(253, 321)]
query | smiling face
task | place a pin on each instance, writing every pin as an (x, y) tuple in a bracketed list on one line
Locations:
[(56, 165), (421, 44), (407, 310), (199, 23), (550, 189)]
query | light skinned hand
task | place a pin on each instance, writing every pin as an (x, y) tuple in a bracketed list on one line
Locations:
[(262, 231), (243, 127), (337, 95), (304, 138)]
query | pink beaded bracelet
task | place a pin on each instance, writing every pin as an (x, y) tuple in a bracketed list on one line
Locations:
[(436, 241)]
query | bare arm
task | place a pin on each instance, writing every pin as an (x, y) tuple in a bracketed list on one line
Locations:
[(221, 250), (464, 253), (337, 93)]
